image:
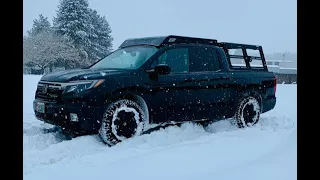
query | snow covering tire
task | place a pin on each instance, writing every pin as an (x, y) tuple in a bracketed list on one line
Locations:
[(122, 119), (247, 112)]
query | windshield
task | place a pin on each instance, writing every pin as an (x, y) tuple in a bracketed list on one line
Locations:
[(127, 58)]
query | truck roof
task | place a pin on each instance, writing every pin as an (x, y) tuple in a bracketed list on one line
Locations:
[(166, 40), (174, 39)]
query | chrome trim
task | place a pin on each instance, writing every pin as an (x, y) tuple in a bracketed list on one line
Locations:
[(45, 88), (63, 85)]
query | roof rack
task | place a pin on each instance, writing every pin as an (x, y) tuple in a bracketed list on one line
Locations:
[(237, 45), (167, 40)]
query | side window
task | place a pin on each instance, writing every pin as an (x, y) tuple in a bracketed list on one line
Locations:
[(204, 59), (177, 59)]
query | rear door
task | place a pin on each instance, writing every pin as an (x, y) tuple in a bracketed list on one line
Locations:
[(210, 86)]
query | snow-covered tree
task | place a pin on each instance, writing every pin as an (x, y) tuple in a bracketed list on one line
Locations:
[(47, 49), (84, 27), (100, 36), (39, 25), (73, 21)]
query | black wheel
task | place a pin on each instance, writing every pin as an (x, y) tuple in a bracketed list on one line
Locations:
[(247, 112), (122, 119)]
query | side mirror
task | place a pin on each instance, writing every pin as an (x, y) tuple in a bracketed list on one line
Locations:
[(162, 69)]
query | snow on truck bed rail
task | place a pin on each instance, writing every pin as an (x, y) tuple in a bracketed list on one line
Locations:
[(221, 151)]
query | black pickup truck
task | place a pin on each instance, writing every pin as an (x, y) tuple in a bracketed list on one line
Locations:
[(155, 80)]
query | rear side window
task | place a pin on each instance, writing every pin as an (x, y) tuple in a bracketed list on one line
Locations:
[(204, 59)]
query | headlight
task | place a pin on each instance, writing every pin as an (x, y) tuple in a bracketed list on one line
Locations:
[(79, 86)]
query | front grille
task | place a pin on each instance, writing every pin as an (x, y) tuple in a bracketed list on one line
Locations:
[(49, 91)]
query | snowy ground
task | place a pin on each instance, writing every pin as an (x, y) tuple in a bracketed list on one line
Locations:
[(223, 152)]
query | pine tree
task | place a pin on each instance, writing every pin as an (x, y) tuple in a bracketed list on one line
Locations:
[(39, 25), (73, 21), (100, 36), (89, 32)]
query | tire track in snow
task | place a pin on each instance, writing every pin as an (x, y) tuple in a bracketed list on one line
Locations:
[(170, 137)]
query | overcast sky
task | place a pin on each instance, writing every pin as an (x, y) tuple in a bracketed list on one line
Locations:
[(270, 23)]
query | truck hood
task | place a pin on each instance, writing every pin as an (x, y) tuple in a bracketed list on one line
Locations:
[(80, 74)]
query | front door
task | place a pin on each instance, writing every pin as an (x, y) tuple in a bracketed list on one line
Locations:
[(170, 97)]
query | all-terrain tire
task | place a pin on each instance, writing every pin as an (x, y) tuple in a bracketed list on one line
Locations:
[(247, 112), (122, 119)]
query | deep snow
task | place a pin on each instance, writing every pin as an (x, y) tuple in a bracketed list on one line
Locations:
[(221, 151)]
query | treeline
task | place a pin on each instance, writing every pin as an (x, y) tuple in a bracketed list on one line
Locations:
[(77, 37)]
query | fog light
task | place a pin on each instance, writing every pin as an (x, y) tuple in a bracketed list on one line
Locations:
[(74, 117)]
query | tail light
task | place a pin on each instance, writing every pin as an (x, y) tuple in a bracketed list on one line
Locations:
[(275, 84)]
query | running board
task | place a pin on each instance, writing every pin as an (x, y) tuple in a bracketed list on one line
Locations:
[(154, 127)]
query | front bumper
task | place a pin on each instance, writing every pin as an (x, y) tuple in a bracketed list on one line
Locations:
[(89, 117)]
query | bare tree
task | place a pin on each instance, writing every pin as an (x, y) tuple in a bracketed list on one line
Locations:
[(47, 49)]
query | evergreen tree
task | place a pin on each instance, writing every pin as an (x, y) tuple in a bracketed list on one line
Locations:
[(73, 21), (39, 25), (89, 32), (100, 36)]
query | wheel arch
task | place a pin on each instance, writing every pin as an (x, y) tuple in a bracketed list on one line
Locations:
[(139, 95), (246, 92)]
